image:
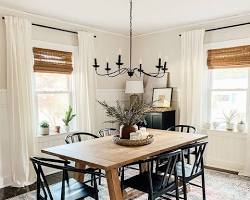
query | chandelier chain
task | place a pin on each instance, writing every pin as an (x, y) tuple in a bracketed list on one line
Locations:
[(131, 32)]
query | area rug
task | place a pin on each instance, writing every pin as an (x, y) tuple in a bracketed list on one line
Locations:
[(219, 186)]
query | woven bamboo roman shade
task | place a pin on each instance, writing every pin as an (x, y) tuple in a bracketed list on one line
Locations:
[(233, 57), (52, 61)]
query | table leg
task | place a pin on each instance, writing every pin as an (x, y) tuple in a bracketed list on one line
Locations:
[(79, 176), (114, 186)]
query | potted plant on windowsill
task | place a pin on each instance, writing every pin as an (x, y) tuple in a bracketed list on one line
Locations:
[(67, 119), (44, 125), (126, 117), (229, 119)]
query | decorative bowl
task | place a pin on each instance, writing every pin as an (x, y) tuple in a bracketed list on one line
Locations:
[(127, 142)]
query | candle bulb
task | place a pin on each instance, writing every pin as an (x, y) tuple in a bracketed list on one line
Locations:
[(140, 61), (159, 61), (120, 52)]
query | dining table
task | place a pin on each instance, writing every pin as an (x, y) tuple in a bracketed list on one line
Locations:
[(103, 153)]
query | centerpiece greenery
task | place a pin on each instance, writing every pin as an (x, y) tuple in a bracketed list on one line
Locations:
[(127, 117)]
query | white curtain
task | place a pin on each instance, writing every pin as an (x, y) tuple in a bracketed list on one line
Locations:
[(20, 98), (85, 83), (193, 78)]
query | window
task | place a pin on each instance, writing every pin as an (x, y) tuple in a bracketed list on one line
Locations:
[(53, 83), (228, 92), (53, 95)]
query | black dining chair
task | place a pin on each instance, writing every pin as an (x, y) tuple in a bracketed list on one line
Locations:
[(184, 129), (154, 183), (189, 172), (81, 136), (66, 189), (107, 132)]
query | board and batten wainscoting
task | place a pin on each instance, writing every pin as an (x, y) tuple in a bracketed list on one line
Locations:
[(226, 150)]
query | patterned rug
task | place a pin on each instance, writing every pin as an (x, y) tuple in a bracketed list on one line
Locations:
[(219, 186)]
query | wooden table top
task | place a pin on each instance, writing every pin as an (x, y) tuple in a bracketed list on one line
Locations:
[(104, 154)]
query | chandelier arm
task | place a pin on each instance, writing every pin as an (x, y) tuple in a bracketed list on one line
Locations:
[(122, 71), (107, 74), (156, 75)]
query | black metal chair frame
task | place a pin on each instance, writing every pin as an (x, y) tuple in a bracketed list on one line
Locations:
[(71, 139), (42, 183), (78, 134), (166, 185), (197, 169), (188, 128)]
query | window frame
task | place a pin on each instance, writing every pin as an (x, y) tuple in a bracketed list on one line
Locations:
[(226, 44), (60, 47), (211, 90)]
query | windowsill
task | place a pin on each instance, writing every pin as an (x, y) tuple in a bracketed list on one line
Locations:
[(223, 131), (52, 134)]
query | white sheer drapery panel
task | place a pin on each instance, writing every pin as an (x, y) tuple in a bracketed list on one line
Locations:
[(193, 78), (20, 99), (85, 83)]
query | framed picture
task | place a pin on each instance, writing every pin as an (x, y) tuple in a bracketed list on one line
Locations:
[(150, 83), (162, 97)]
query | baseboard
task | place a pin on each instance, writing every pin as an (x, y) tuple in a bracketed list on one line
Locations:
[(222, 170)]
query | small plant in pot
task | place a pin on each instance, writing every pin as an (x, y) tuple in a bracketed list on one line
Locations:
[(229, 119), (44, 125), (68, 118), (127, 117), (241, 126)]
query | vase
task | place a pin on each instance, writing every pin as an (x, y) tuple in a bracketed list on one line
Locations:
[(67, 128), (57, 129), (44, 131), (241, 127), (229, 126), (126, 130)]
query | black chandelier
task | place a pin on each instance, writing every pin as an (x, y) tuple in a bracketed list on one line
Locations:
[(161, 68)]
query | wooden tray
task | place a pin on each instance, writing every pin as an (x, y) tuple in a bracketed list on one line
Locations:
[(126, 142)]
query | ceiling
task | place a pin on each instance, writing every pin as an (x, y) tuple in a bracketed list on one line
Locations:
[(149, 15)]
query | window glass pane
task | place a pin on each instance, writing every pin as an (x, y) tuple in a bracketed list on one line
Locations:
[(230, 78), (226, 101), (52, 82), (51, 107)]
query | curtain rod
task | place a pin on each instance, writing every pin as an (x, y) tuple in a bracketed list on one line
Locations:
[(225, 27), (54, 28)]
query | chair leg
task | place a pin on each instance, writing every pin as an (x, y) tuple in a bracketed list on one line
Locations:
[(185, 189), (177, 189), (100, 177), (92, 180), (188, 157), (203, 186), (122, 173)]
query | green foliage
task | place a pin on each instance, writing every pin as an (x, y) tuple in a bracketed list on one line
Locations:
[(44, 124), (125, 116), (68, 116)]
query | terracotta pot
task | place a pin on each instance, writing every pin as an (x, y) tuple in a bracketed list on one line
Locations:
[(126, 130), (57, 129)]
